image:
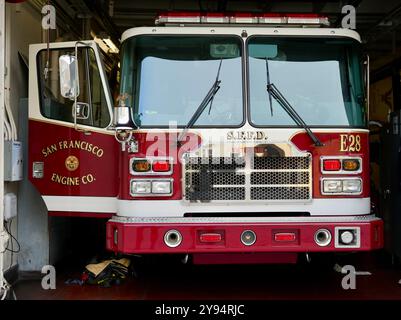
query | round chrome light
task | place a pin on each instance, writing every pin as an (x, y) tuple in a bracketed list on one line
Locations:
[(172, 238), (248, 237), (347, 237), (322, 237)]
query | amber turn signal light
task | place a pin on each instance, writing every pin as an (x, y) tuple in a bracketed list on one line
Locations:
[(141, 165), (351, 164)]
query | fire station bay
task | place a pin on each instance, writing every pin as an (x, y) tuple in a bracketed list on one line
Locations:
[(200, 150)]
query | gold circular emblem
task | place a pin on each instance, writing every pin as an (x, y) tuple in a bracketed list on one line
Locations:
[(72, 163)]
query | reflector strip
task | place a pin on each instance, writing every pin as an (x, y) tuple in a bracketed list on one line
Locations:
[(285, 237), (210, 237)]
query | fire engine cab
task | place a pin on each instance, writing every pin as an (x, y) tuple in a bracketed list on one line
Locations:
[(234, 137)]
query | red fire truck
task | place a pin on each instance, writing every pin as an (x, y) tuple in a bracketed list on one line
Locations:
[(235, 138)]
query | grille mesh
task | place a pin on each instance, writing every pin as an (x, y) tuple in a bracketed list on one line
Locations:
[(286, 177), (280, 163), (215, 163), (227, 179), (279, 193), (216, 178), (225, 193)]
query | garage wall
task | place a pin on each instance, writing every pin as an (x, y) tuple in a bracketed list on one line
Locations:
[(23, 26)]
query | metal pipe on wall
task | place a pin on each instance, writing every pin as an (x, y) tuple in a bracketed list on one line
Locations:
[(2, 101)]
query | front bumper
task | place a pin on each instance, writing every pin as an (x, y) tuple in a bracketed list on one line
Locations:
[(146, 235)]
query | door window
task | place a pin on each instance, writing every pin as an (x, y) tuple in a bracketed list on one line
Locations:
[(54, 106)]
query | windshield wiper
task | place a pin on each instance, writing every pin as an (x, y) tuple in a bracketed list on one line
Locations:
[(268, 83), (283, 102), (206, 100)]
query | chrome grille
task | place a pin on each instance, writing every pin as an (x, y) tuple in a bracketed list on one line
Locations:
[(226, 193), (281, 177), (216, 178), (215, 163), (279, 193), (283, 163), (248, 178)]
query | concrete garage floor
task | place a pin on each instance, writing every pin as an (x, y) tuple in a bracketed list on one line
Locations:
[(164, 279)]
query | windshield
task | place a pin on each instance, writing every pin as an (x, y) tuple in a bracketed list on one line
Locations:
[(320, 78), (167, 77)]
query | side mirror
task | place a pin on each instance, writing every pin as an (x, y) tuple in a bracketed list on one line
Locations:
[(81, 110), (69, 80)]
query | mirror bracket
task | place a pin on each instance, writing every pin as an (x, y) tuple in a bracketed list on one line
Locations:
[(81, 110)]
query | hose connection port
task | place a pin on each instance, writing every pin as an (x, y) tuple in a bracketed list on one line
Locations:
[(172, 238), (322, 237)]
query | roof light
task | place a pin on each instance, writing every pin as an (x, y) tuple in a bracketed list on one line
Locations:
[(294, 18), (178, 17), (215, 18), (243, 18), (272, 18)]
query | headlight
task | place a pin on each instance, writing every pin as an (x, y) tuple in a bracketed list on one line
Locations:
[(141, 187), (352, 186), (332, 186), (151, 187), (161, 187), (342, 186)]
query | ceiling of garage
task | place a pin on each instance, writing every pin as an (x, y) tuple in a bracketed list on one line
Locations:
[(378, 22)]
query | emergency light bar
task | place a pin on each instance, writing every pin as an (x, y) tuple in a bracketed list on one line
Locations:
[(291, 19)]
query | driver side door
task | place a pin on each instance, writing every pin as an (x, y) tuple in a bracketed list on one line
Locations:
[(72, 161)]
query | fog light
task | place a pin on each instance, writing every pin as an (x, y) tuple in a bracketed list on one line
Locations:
[(347, 237), (161, 187), (352, 185), (332, 186), (140, 187), (248, 237)]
